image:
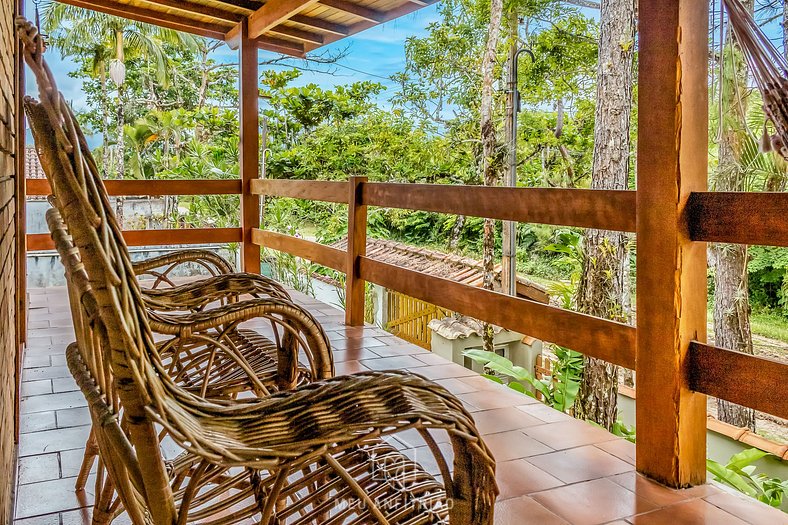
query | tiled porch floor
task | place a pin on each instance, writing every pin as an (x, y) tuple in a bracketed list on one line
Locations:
[(551, 468)]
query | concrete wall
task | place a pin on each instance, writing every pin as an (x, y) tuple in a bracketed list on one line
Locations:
[(8, 259)]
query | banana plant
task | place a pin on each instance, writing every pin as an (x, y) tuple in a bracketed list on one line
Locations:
[(740, 474), (559, 390)]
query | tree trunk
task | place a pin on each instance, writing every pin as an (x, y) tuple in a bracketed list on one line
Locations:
[(120, 118), (105, 153), (492, 153), (731, 285), (603, 286)]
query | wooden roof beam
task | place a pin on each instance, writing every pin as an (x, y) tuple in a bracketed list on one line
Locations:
[(322, 25), (201, 9), (278, 45), (402, 10), (298, 34), (273, 13), (150, 16), (360, 11)]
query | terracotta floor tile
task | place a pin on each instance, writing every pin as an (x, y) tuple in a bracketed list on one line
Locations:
[(36, 388), (349, 367), (524, 511), (36, 361), (593, 502), (60, 496), (580, 464), (49, 519), (748, 509), (545, 413), (52, 402), (478, 382), (64, 384), (514, 445), (37, 422), (485, 400), (621, 448), (45, 372), (401, 362), (588, 479), (354, 355), (451, 370), (33, 469), (424, 457), (401, 348), (660, 495), (568, 434), (693, 512), (519, 477), (53, 440), (455, 386), (503, 419), (71, 462), (72, 417), (431, 359), (412, 438)]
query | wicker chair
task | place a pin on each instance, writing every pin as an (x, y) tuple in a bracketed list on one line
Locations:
[(252, 366), (317, 454)]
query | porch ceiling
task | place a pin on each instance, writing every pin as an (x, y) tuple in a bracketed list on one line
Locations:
[(292, 27)]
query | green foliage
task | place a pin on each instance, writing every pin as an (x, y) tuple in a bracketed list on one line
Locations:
[(559, 390), (768, 274), (740, 474)]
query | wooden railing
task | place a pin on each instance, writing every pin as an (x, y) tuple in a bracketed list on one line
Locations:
[(153, 237), (745, 379)]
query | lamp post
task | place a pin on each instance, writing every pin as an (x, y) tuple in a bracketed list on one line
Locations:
[(509, 262)]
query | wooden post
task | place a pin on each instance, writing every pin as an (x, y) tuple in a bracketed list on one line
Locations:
[(356, 247), (21, 230), (671, 276), (249, 148)]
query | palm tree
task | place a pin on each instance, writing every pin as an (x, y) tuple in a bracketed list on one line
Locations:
[(110, 41)]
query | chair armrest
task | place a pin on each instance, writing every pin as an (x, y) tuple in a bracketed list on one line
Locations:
[(314, 423), (161, 267), (223, 288), (292, 328)]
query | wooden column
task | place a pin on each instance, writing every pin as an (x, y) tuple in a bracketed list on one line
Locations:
[(356, 247), (671, 275), (249, 148), (21, 229)]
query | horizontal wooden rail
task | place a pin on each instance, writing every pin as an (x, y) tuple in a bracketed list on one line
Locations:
[(302, 189), (42, 241), (313, 251), (601, 209), (742, 218), (608, 340), (752, 381), (41, 187)]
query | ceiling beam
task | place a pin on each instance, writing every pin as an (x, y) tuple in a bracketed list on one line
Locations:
[(273, 13), (278, 45), (200, 9), (360, 11), (298, 34), (322, 25), (151, 16), (247, 5), (402, 10)]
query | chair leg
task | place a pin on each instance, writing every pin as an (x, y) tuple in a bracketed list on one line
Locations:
[(91, 452)]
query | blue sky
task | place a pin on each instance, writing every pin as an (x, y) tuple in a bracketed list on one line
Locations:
[(372, 54)]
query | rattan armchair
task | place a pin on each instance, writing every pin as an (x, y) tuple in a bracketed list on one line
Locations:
[(318, 454)]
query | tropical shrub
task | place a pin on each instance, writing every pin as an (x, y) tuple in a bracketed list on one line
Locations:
[(740, 474)]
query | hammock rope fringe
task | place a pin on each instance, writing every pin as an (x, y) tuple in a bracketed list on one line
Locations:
[(770, 72)]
